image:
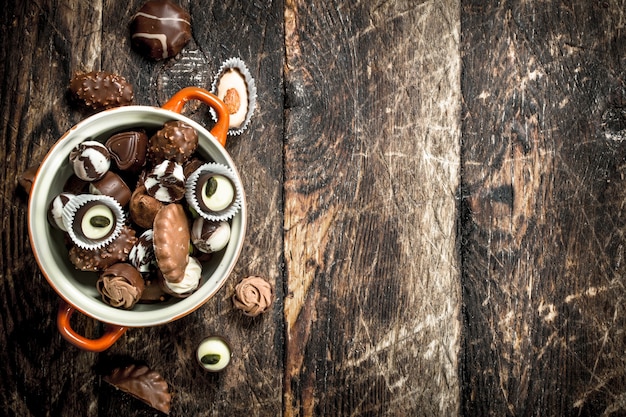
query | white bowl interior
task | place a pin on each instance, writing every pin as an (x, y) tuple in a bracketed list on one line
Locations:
[(77, 287)]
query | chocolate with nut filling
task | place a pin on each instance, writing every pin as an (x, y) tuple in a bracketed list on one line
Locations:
[(176, 141), (160, 29)]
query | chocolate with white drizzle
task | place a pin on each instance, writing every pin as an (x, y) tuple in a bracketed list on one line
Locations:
[(160, 29)]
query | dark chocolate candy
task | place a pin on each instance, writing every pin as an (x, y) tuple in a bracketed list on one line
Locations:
[(128, 150), (176, 141), (97, 260), (160, 29), (101, 90), (112, 185), (143, 383)]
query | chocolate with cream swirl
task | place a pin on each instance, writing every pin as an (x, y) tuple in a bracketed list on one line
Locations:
[(121, 285)]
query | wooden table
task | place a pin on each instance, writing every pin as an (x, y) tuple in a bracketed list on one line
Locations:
[(436, 190)]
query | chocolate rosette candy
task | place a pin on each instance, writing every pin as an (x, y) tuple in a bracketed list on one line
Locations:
[(120, 285), (253, 296)]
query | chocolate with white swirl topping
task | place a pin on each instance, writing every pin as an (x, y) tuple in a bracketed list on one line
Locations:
[(160, 29)]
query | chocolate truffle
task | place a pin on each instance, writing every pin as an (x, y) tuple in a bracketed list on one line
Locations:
[(176, 141), (253, 296), (90, 160), (120, 285), (114, 252), (100, 90), (55, 210), (171, 242), (160, 29), (112, 185), (214, 353), (144, 384), (209, 236), (142, 254), (128, 150), (166, 182), (143, 207)]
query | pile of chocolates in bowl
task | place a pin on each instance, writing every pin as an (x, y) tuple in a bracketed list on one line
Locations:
[(143, 211)]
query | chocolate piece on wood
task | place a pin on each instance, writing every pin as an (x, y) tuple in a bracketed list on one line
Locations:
[(160, 29)]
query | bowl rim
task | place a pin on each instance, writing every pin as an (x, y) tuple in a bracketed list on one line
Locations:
[(95, 308)]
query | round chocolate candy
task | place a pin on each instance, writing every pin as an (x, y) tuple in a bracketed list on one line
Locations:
[(166, 182), (214, 353), (142, 254), (209, 236), (128, 150), (160, 29), (55, 210), (93, 221), (90, 160), (214, 192)]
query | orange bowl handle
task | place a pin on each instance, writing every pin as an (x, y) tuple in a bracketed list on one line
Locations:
[(100, 344), (178, 100)]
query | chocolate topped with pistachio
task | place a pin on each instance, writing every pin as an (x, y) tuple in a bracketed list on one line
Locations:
[(160, 29)]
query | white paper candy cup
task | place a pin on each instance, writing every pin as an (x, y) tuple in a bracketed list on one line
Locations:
[(192, 186), (239, 65), (69, 214)]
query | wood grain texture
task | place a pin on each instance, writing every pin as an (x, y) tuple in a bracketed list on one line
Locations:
[(371, 172), (42, 374), (542, 223)]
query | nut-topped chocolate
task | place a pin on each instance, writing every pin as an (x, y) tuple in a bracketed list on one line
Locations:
[(128, 150), (176, 141), (160, 29), (98, 90)]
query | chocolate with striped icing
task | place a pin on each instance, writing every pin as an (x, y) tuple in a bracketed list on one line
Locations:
[(160, 29), (166, 182)]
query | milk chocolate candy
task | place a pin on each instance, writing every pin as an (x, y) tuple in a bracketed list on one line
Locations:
[(99, 90), (128, 150), (160, 29), (176, 141), (112, 185), (144, 384)]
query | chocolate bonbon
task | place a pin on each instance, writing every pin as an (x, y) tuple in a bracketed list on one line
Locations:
[(128, 150), (214, 192), (160, 29), (55, 210), (235, 86), (112, 185), (214, 353), (253, 296), (93, 221), (176, 141), (209, 236), (98, 260), (144, 384), (120, 285), (98, 90), (166, 182), (171, 242), (90, 160)]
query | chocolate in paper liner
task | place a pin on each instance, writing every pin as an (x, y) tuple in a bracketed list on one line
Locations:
[(72, 207), (239, 65), (218, 169)]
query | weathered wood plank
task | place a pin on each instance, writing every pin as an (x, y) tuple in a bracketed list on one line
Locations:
[(543, 229), (371, 173), (42, 374)]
